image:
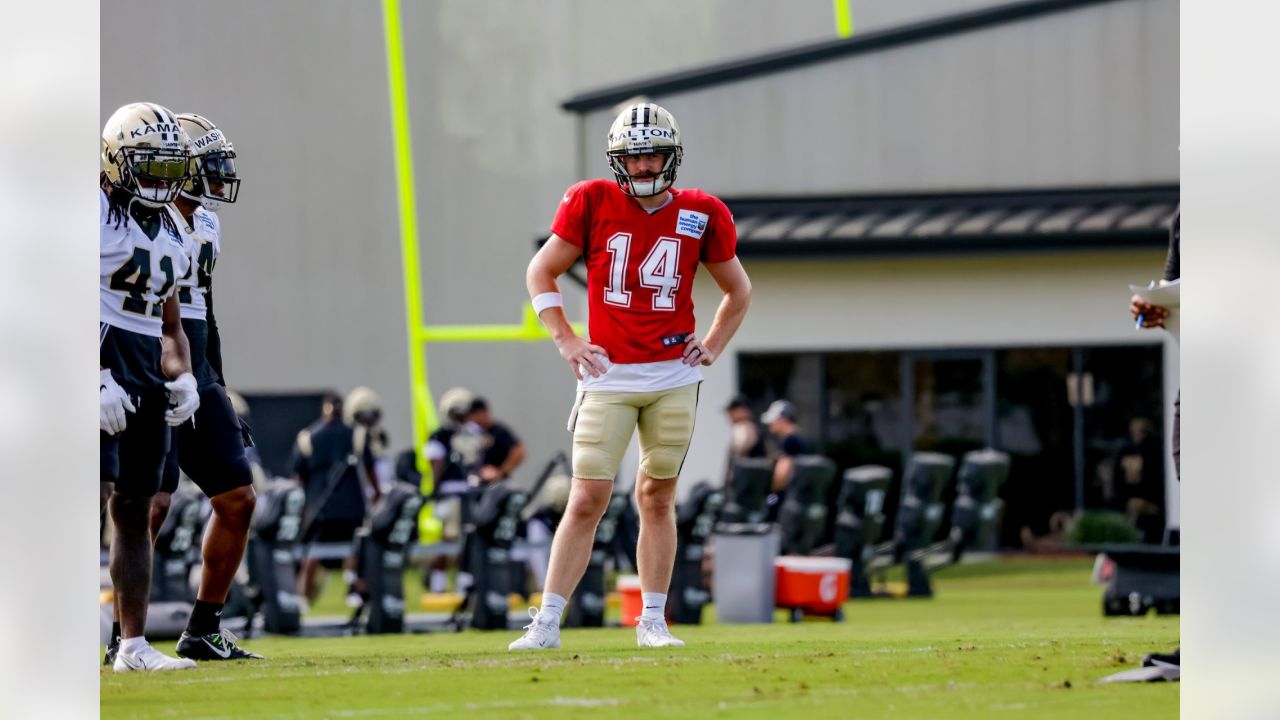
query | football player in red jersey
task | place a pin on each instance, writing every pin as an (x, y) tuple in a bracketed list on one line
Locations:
[(641, 240)]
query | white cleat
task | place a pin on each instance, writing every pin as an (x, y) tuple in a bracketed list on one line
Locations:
[(654, 634), (539, 635), (149, 659)]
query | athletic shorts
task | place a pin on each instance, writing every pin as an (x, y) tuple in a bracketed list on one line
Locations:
[(210, 451), (133, 358), (603, 422), (133, 460), (333, 531)]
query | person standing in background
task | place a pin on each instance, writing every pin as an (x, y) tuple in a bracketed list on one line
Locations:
[(1153, 316), (781, 420), (502, 452)]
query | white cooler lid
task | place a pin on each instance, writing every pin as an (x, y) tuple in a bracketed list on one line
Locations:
[(628, 582), (815, 565)]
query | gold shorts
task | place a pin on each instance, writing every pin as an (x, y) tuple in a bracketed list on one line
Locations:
[(603, 422)]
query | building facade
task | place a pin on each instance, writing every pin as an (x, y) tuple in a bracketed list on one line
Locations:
[(891, 330)]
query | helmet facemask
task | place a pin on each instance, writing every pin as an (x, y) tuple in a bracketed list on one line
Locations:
[(213, 179), (645, 188), (153, 176)]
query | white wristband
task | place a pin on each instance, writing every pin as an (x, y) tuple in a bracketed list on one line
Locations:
[(547, 300)]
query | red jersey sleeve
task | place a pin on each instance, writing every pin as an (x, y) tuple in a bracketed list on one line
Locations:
[(571, 220), (720, 243)]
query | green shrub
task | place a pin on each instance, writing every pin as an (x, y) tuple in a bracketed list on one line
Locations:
[(1102, 526)]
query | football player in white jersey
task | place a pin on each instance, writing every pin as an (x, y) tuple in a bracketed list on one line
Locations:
[(210, 448), (146, 383)]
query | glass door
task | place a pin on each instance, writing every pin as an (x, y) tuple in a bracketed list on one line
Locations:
[(949, 402)]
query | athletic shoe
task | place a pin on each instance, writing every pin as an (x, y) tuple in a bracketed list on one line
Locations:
[(149, 659), (113, 647), (539, 635), (216, 646), (1163, 660), (653, 633)]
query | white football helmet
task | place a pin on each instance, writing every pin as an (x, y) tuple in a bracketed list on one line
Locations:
[(144, 153), (212, 180), (640, 129)]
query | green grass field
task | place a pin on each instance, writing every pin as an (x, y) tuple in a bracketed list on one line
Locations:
[(1013, 638)]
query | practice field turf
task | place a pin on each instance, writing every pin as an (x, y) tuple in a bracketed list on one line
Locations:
[(1013, 638)]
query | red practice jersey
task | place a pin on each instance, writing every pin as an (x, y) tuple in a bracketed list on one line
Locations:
[(640, 267)]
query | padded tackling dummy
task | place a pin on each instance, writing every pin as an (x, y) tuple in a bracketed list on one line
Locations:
[(920, 514), (803, 515), (747, 491), (490, 531), (277, 520), (172, 560), (695, 519), (860, 520), (975, 519), (381, 554)]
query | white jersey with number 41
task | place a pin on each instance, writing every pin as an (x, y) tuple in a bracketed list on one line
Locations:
[(137, 273)]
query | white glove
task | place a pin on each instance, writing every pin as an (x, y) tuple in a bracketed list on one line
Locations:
[(113, 401), (183, 399)]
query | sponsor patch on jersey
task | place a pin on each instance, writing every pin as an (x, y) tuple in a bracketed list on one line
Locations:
[(691, 223)]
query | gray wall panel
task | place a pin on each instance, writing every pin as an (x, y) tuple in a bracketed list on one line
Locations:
[(309, 291), (1084, 97)]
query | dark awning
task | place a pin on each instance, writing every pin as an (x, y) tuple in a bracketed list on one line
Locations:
[(1040, 220)]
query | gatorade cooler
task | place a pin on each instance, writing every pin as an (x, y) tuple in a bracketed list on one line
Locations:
[(812, 585), (632, 602)]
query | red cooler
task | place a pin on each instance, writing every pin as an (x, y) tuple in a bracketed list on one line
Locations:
[(812, 585), (632, 601)]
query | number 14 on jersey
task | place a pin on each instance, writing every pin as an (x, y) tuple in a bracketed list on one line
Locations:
[(658, 272)]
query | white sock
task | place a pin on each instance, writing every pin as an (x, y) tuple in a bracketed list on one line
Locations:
[(655, 605), (552, 607), (131, 646)]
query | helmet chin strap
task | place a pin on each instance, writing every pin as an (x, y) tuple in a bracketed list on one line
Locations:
[(201, 200), (151, 197), (649, 188), (646, 188)]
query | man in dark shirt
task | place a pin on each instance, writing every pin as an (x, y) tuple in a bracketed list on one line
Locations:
[(325, 462), (502, 451), (781, 420)]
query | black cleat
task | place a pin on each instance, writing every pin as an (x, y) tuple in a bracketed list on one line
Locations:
[(113, 647), (1163, 660), (217, 646)]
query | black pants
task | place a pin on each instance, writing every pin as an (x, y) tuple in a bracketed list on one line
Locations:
[(210, 451)]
